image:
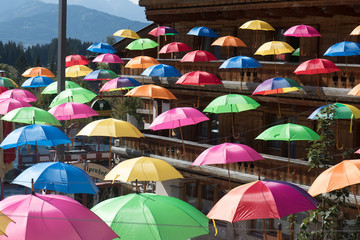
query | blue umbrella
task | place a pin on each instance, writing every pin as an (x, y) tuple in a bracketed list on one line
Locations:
[(241, 62), (161, 70), (101, 47), (343, 49), (39, 81), (202, 31), (43, 135), (57, 176)]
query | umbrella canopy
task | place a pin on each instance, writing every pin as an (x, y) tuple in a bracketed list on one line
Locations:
[(72, 60), (355, 91), (262, 199), (80, 95), (356, 31), (163, 30), (241, 62), (7, 82), (119, 83), (277, 85), (199, 78), (202, 31), (4, 222), (336, 177), (141, 62), (101, 47), (161, 70), (177, 117), (108, 58), (72, 110), (52, 88), (231, 103), (3, 89), (126, 33), (343, 49), (77, 71), (302, 31), (228, 41), (274, 48), (198, 56), (143, 169), (288, 132), (341, 111), (9, 104), (151, 91), (296, 53), (38, 81), (42, 135), (316, 66), (175, 47), (39, 217), (257, 25), (227, 153), (19, 94), (31, 115), (101, 74), (149, 216), (110, 127), (57, 176), (38, 71), (142, 44)]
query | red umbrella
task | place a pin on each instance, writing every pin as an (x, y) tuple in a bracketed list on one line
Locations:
[(3, 89), (175, 47), (72, 60), (316, 66), (199, 78), (198, 56)]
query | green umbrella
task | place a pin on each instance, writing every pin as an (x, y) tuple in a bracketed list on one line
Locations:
[(7, 82), (149, 216), (231, 103), (296, 53), (52, 88), (142, 44), (31, 115), (288, 132), (80, 95)]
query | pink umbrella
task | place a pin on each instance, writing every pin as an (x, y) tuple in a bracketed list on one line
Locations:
[(72, 110), (198, 56), (43, 217), (72, 60), (108, 58), (175, 47), (302, 31), (227, 153), (19, 94), (177, 118), (8, 104)]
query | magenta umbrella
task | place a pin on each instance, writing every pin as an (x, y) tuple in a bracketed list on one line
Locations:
[(8, 104), (108, 58), (72, 110), (175, 47), (302, 31), (19, 94), (43, 217), (198, 56), (177, 118)]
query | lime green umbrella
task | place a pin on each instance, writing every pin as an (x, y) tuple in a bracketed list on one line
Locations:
[(80, 95), (296, 53), (142, 44), (31, 115), (231, 103), (149, 216), (52, 88), (7, 82)]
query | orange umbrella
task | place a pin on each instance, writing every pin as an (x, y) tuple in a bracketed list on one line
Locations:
[(228, 41), (141, 62), (355, 91), (356, 31), (339, 176), (38, 71)]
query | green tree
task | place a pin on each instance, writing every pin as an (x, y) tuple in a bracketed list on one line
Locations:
[(37, 61), (110, 40), (21, 63)]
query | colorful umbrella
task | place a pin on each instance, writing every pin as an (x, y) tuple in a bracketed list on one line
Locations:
[(151, 91), (31, 115), (198, 56), (72, 60), (72, 110), (126, 33), (3, 89), (57, 176), (141, 62), (77, 71), (356, 31), (355, 91), (52, 88), (296, 53), (175, 47), (80, 95), (257, 25), (108, 58), (177, 118), (38, 81), (7, 82), (228, 41), (38, 71), (101, 47), (163, 30), (101, 74), (149, 216), (119, 83), (202, 31), (302, 31), (4, 222), (142, 44), (41, 135), (8, 104), (39, 216), (19, 94), (161, 70)]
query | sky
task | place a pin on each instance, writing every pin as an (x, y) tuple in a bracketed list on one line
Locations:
[(122, 8)]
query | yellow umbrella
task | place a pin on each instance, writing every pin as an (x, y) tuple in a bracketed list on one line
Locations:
[(126, 33), (143, 169), (257, 25), (141, 62), (4, 222), (77, 71)]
